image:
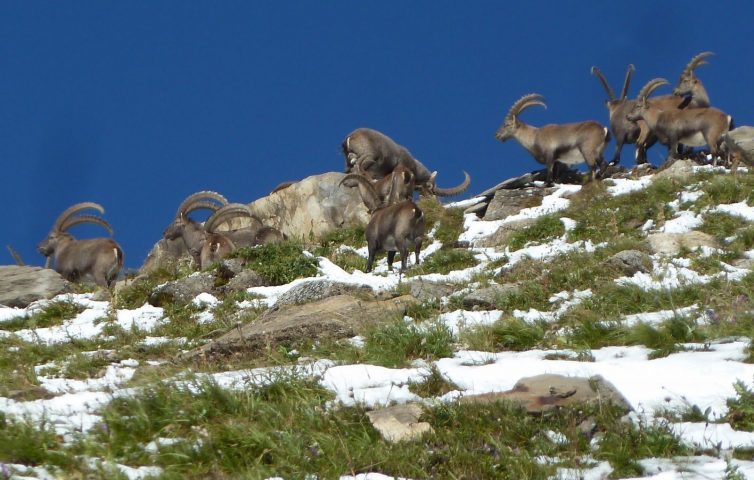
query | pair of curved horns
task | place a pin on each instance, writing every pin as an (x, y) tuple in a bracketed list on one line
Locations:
[(695, 62), (201, 200), (525, 102), (651, 86), (227, 212), (67, 219), (610, 94)]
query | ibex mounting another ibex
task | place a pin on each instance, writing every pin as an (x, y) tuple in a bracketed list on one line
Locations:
[(191, 231), (396, 227), (570, 143), (376, 155), (98, 259), (689, 126)]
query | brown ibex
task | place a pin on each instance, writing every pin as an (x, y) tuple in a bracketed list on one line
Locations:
[(218, 244), (396, 227), (191, 231), (376, 155), (570, 143), (689, 126), (98, 259), (397, 186), (624, 131)]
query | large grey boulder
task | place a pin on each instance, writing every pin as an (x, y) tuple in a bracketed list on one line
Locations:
[(489, 297), (312, 207), (427, 291), (744, 138), (503, 234), (318, 289), (341, 316), (183, 290), (630, 262), (680, 170), (509, 202), (21, 285), (672, 243)]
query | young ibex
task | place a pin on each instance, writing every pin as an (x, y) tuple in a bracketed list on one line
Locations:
[(393, 188), (191, 231), (98, 259), (689, 126), (397, 227), (218, 244), (376, 155), (570, 143)]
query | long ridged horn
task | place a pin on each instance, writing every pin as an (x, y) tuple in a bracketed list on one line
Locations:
[(73, 209), (447, 192), (366, 190), (610, 94), (230, 210), (525, 102), (205, 194), (695, 62), (200, 205), (627, 81), (86, 219), (650, 87)]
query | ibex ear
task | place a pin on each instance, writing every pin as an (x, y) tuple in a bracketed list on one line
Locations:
[(432, 177)]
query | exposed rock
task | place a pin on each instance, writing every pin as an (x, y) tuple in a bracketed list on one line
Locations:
[(680, 170), (489, 297), (399, 422), (672, 243), (183, 290), (744, 138), (163, 253), (544, 392), (744, 263), (509, 202), (22, 285), (319, 289), (334, 317), (630, 262), (312, 207), (245, 280), (426, 291), (501, 236)]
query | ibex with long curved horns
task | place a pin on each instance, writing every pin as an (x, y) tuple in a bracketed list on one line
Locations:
[(191, 231), (570, 143), (689, 126), (624, 131), (98, 259), (376, 155), (396, 227)]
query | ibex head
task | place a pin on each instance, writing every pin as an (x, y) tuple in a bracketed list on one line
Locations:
[(197, 201), (66, 220), (688, 82), (641, 100), (510, 124)]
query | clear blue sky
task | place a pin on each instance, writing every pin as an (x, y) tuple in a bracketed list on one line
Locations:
[(137, 104)]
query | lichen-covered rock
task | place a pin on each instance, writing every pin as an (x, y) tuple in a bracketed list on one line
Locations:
[(183, 290), (22, 285), (317, 290), (504, 232), (672, 243), (426, 291), (489, 297), (399, 422), (509, 202), (629, 262)]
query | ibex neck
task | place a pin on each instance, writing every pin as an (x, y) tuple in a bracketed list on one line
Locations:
[(526, 136)]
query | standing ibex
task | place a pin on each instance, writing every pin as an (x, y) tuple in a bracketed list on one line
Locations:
[(191, 231), (395, 227), (690, 92), (570, 143), (689, 126), (376, 155), (98, 259)]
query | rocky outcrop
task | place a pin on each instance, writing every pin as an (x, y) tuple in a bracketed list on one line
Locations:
[(21, 285), (183, 290), (544, 392), (509, 202), (399, 422), (319, 289), (312, 207), (340, 316)]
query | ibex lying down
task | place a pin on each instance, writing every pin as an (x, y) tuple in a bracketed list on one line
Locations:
[(191, 231), (689, 126), (218, 244), (97, 259), (396, 227), (570, 143), (376, 155)]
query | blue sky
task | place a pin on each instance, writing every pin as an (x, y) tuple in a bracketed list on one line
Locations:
[(135, 105)]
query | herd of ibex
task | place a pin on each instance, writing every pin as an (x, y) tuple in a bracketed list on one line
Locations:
[(387, 175)]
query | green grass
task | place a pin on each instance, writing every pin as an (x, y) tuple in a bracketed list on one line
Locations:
[(54, 313), (545, 228), (449, 221), (741, 408), (396, 343), (433, 384), (508, 333), (278, 263), (445, 261)]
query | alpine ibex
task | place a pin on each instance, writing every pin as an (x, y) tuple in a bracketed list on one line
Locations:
[(624, 131), (98, 259), (689, 126), (217, 244), (396, 227), (376, 155), (397, 186), (191, 231), (570, 143)]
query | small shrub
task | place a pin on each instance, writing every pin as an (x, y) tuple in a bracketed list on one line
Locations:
[(433, 384), (508, 333), (741, 408), (278, 263), (395, 344)]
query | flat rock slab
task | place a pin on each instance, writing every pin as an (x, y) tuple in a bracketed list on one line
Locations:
[(509, 202), (21, 285), (399, 422), (672, 243), (544, 392), (340, 316), (319, 289), (488, 298)]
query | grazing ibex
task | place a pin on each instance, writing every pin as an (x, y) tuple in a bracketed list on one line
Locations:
[(393, 228), (570, 143), (98, 259), (689, 126), (376, 155), (395, 187), (191, 231), (218, 244)]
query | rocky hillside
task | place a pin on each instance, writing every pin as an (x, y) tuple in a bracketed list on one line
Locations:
[(597, 331)]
